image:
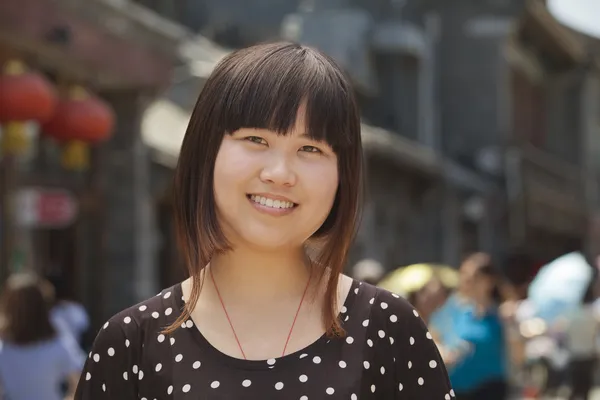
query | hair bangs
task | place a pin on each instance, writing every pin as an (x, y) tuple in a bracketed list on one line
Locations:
[(267, 89)]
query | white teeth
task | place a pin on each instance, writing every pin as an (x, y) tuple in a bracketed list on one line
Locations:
[(271, 203)]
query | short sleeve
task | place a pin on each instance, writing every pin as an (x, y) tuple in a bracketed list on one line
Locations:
[(111, 368), (72, 357), (424, 376)]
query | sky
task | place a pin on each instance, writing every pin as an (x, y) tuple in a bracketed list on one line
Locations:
[(582, 15)]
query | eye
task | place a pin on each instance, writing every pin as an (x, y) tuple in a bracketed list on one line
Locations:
[(310, 149), (255, 139)]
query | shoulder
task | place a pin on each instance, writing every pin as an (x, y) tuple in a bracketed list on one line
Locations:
[(142, 319)]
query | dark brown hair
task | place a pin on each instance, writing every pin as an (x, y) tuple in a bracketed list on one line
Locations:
[(263, 87), (25, 309)]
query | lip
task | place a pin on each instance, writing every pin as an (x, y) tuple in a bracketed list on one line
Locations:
[(277, 212)]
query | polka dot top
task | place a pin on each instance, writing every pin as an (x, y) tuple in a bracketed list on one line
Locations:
[(387, 354)]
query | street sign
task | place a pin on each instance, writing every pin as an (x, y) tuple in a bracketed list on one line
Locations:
[(44, 207)]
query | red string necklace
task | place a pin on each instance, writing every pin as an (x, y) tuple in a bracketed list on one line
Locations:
[(231, 324)]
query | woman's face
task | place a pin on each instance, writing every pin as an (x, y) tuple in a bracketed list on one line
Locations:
[(273, 191)]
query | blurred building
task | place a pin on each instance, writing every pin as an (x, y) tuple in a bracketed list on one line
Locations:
[(481, 117), (124, 54)]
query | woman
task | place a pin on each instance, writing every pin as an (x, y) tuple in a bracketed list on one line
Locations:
[(477, 359), (34, 360), (267, 199), (68, 316)]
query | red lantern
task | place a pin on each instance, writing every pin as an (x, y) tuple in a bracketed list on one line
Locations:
[(80, 120), (23, 96)]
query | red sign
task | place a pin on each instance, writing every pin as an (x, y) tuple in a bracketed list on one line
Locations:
[(45, 207)]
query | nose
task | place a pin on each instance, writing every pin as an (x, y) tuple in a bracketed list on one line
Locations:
[(278, 170)]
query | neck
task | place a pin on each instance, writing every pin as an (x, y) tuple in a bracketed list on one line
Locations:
[(259, 276)]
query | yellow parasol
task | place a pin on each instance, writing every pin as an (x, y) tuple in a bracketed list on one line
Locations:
[(412, 278)]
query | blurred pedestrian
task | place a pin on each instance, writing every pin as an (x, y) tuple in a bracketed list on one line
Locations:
[(267, 193), (34, 359), (477, 360), (582, 328), (68, 316)]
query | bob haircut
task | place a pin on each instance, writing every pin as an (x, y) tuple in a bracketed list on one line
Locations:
[(25, 308), (263, 87)]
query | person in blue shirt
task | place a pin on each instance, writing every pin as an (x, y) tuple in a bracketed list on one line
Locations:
[(34, 359), (473, 344)]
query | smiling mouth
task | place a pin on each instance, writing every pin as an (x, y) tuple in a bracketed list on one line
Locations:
[(271, 203)]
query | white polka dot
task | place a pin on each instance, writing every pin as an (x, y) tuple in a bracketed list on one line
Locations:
[(370, 342), (303, 378), (103, 387), (349, 340), (384, 305), (428, 335), (416, 313), (344, 309), (183, 325), (393, 318), (353, 397), (432, 364), (186, 388), (303, 355), (421, 381), (382, 370), (246, 383), (135, 369), (127, 320), (96, 357), (189, 323), (215, 384), (106, 325), (90, 355), (372, 388), (178, 357), (279, 385), (155, 315), (196, 365), (125, 375), (88, 376), (317, 360), (447, 397), (365, 323), (126, 342), (381, 334), (356, 291), (271, 361), (167, 295), (141, 375), (400, 387), (391, 340), (158, 367), (111, 351), (168, 311), (304, 398), (409, 364), (366, 365), (342, 364), (395, 295), (170, 389), (172, 340), (142, 308), (411, 340), (372, 300), (347, 318), (330, 391), (161, 338), (452, 393)]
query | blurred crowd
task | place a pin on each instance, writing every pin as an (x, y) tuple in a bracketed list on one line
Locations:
[(502, 340)]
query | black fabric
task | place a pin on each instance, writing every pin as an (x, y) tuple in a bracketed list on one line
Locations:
[(387, 354)]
